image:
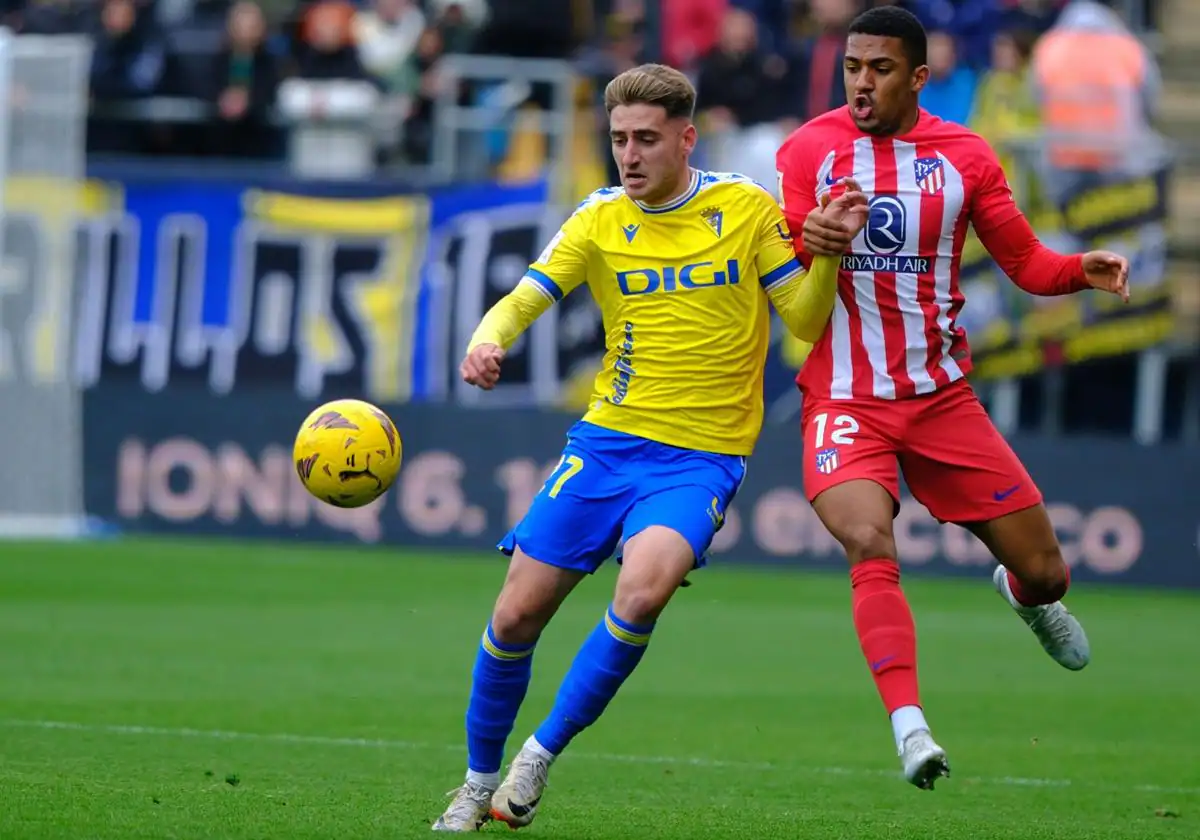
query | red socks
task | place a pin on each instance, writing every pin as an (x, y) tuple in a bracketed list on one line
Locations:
[(886, 631), (1036, 599)]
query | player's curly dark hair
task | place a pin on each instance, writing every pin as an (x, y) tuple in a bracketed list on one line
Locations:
[(653, 84), (894, 22)]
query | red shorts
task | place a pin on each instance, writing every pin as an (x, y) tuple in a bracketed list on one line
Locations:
[(953, 459)]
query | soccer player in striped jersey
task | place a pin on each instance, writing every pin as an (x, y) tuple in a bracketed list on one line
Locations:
[(885, 384), (682, 264)]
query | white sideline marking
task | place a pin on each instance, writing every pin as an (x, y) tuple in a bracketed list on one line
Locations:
[(383, 743)]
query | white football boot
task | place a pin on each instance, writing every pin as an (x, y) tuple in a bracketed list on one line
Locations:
[(515, 802), (1059, 632), (468, 810), (924, 761)]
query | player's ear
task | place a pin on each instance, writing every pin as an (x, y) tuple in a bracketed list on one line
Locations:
[(689, 138), (920, 77)]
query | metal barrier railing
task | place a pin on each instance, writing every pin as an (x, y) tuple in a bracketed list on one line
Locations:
[(478, 97), (497, 87)]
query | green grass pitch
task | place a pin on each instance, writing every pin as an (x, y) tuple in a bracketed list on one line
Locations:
[(214, 689)]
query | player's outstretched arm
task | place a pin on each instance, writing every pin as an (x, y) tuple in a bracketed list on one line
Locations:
[(804, 300), (1034, 268), (500, 327), (1038, 270), (561, 267)]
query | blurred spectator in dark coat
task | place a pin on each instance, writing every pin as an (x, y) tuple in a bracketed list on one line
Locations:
[(127, 64), (418, 126), (741, 84), (245, 78), (128, 56), (772, 17), (747, 105), (820, 67)]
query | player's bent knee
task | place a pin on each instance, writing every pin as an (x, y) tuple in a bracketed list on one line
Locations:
[(858, 514), (654, 564), (519, 620), (640, 605), (1047, 578), (531, 594), (868, 541)]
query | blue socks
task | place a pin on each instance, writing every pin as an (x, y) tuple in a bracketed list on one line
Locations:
[(498, 685), (501, 678), (604, 662)]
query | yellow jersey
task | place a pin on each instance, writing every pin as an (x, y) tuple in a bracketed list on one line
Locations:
[(683, 292)]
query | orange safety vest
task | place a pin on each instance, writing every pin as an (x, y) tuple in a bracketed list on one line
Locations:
[(1090, 85)]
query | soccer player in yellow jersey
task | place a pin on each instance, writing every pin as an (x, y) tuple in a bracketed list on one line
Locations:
[(682, 264)]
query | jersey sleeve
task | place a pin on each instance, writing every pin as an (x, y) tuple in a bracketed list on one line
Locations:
[(992, 203), (1030, 264), (560, 268), (562, 265), (776, 256), (511, 316), (797, 187), (1006, 234), (803, 299)]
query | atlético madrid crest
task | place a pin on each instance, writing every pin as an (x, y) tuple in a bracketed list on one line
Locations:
[(827, 460), (931, 174)]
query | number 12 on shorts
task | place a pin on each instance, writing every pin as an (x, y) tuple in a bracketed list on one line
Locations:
[(568, 466), (844, 429)]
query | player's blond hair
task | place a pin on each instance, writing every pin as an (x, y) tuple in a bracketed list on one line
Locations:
[(653, 84)]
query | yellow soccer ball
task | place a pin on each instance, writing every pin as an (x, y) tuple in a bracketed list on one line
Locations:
[(347, 453)]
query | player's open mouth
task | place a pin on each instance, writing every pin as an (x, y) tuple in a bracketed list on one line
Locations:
[(862, 108), (634, 179)]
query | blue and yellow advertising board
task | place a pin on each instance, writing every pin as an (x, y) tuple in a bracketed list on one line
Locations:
[(374, 289), (366, 290)]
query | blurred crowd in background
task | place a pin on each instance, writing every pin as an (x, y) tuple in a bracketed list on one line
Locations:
[(229, 78), (421, 97)]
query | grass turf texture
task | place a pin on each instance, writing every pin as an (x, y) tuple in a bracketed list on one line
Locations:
[(227, 690)]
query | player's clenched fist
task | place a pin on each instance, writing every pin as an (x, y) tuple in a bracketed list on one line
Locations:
[(481, 367), (829, 229)]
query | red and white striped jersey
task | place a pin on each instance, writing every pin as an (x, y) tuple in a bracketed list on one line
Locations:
[(893, 333)]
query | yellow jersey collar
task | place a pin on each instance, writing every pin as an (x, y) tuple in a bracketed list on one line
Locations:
[(675, 203)]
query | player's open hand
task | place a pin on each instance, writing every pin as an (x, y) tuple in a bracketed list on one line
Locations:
[(1107, 272), (829, 229), (481, 367)]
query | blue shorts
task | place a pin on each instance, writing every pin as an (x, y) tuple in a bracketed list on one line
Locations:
[(610, 486)]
